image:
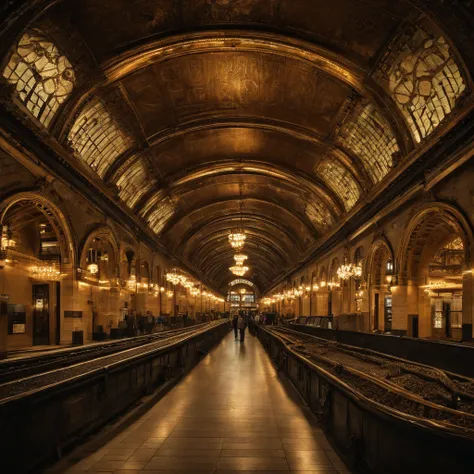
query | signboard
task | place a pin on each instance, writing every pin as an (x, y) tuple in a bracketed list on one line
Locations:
[(16, 319), (73, 314), (19, 328), (4, 297)]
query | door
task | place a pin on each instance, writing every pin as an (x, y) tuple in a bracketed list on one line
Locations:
[(415, 326), (40, 314), (376, 311)]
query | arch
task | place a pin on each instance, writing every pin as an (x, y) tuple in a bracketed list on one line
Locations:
[(426, 230), (379, 249), (107, 235), (54, 216)]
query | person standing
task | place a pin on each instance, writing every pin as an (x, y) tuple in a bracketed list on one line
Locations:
[(241, 324), (234, 325)]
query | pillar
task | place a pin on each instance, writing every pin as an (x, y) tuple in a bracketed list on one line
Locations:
[(400, 310)]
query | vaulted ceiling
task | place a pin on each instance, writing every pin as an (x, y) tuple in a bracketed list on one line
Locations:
[(283, 116)]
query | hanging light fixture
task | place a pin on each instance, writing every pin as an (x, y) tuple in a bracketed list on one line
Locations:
[(47, 271), (240, 258), (173, 276), (237, 239), (349, 270), (239, 270), (237, 236), (7, 241)]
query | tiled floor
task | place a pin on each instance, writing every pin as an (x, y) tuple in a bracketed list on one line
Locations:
[(230, 414)]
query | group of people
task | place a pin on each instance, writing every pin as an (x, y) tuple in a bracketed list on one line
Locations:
[(138, 324), (239, 324)]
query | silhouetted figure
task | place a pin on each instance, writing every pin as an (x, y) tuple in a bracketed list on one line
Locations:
[(234, 325), (241, 324)]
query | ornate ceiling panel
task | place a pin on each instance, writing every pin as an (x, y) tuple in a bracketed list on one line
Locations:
[(220, 85), (359, 26)]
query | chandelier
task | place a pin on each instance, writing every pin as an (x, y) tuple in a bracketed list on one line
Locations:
[(46, 272), (173, 276), (239, 270), (6, 239), (237, 238), (349, 270), (93, 268), (240, 258)]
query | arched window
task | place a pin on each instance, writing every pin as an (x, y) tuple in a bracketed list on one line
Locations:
[(43, 78), (97, 138), (425, 81), (341, 181)]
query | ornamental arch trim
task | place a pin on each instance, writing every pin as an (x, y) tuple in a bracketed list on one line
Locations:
[(53, 214), (446, 214), (108, 235), (369, 261)]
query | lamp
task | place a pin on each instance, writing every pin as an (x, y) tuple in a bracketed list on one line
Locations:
[(237, 238), (47, 271), (240, 258)]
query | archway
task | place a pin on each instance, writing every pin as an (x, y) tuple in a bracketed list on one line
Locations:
[(433, 268), (99, 283), (379, 276), (36, 262), (241, 296)]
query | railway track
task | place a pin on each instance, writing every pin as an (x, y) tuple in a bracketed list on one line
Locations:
[(73, 366), (418, 390), (15, 369)]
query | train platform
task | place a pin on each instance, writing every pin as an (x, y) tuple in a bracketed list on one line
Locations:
[(232, 413)]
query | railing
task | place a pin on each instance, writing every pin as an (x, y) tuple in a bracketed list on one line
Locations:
[(43, 422), (369, 436)]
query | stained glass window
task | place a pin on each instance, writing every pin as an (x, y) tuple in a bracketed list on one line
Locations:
[(425, 82), (160, 215), (97, 138), (368, 135), (319, 214), (158, 211), (341, 181), (43, 78), (134, 182)]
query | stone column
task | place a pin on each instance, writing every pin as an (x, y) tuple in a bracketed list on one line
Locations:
[(400, 310)]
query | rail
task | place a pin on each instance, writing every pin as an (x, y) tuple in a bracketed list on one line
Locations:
[(18, 368)]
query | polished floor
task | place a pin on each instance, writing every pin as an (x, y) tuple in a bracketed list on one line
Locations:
[(231, 414)]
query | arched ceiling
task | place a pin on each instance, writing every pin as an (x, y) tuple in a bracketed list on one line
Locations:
[(280, 115)]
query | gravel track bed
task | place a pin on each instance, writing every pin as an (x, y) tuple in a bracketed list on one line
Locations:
[(43, 380), (389, 371)]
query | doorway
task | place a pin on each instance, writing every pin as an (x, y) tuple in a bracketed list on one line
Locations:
[(40, 314)]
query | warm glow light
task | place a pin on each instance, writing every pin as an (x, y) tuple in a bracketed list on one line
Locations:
[(237, 238), (93, 268), (240, 258), (349, 270), (46, 271), (239, 270)]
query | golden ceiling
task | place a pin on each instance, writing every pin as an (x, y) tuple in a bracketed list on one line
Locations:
[(287, 115)]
